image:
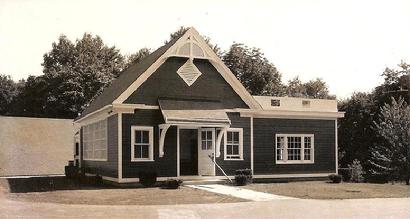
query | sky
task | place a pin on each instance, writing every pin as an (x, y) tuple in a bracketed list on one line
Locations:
[(347, 43)]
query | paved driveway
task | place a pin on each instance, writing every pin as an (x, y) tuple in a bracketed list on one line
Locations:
[(298, 208)]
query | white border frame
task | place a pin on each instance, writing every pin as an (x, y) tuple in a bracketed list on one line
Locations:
[(240, 130), (302, 161), (150, 130)]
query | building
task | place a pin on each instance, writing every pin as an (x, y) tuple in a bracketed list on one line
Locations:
[(35, 146), (180, 109)]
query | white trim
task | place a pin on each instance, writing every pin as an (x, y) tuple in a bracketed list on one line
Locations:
[(178, 154), (119, 146), (221, 133), (215, 61), (252, 165), (94, 113), (188, 178), (240, 130), (163, 128), (150, 130), (336, 149), (293, 114), (292, 175), (302, 149)]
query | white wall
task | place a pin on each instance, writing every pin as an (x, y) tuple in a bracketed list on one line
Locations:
[(35, 146)]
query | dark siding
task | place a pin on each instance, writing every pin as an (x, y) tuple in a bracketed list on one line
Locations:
[(264, 145), (229, 166), (166, 83), (165, 166), (109, 167)]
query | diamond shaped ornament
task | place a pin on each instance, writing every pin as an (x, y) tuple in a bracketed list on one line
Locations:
[(189, 72)]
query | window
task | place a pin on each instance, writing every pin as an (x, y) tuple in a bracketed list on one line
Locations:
[(234, 144), (294, 148), (142, 143), (275, 102), (206, 139), (95, 141)]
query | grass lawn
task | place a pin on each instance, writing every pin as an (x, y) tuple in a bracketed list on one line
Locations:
[(134, 196), (325, 190)]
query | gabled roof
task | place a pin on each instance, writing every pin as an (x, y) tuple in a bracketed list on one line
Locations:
[(129, 81), (125, 79)]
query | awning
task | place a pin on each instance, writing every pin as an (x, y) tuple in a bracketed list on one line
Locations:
[(193, 112), (197, 113)]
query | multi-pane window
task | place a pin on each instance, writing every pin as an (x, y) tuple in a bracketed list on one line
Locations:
[(294, 148), (233, 144), (141, 143), (95, 141), (206, 140)]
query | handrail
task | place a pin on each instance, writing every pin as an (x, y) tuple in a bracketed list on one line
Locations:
[(213, 161)]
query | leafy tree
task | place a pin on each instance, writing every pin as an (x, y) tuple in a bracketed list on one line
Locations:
[(313, 89), (295, 88), (257, 74), (77, 72), (136, 57), (393, 155), (355, 134), (8, 91), (32, 97)]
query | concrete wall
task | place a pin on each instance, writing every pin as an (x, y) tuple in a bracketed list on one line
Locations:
[(35, 146)]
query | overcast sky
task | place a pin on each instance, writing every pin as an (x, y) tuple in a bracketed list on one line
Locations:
[(346, 43)]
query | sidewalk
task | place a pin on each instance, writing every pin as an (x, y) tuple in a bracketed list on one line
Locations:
[(239, 192)]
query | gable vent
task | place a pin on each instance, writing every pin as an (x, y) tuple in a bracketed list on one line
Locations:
[(189, 72)]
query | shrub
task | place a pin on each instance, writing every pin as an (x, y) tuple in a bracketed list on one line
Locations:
[(356, 171), (148, 179), (171, 184), (335, 178), (243, 176), (378, 178), (345, 173)]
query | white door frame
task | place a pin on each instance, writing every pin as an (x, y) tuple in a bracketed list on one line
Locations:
[(200, 147)]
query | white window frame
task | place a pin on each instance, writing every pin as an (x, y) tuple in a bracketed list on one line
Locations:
[(150, 130), (302, 153), (91, 141), (240, 130)]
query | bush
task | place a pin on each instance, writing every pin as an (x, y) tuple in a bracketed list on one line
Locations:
[(377, 178), (148, 179), (171, 184), (243, 176), (335, 178), (345, 173), (356, 171)]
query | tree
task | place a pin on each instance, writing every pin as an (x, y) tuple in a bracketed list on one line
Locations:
[(253, 70), (8, 91), (355, 135), (136, 57), (295, 88), (32, 97), (77, 72), (393, 155), (313, 89)]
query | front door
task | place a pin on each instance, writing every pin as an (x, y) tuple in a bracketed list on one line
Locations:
[(206, 147), (188, 140)]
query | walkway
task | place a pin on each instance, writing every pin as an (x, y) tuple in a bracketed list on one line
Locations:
[(239, 192)]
